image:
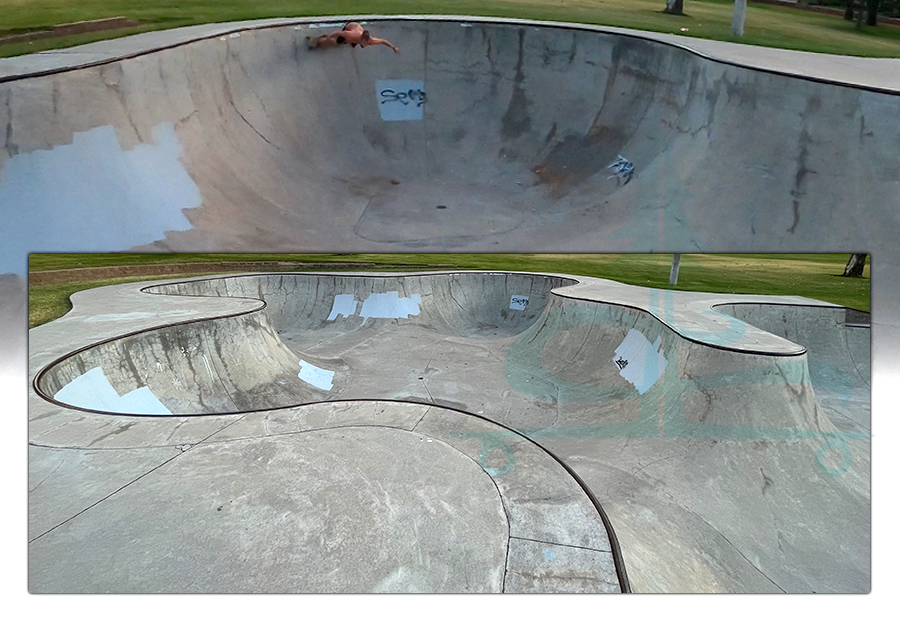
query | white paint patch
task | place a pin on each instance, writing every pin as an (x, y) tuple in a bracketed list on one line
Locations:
[(518, 302), (387, 305), (390, 305), (93, 391), (311, 374), (639, 362), (139, 315), (94, 196), (400, 100), (343, 304)]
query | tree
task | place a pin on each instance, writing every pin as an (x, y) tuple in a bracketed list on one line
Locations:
[(855, 265), (848, 12), (675, 7), (737, 18), (872, 12)]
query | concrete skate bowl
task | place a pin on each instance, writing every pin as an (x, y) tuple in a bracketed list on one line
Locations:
[(481, 134), (696, 450)]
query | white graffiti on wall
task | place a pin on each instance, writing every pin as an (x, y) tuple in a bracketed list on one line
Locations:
[(94, 195)]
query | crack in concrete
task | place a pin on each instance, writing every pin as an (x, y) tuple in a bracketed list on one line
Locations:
[(735, 548), (229, 93), (41, 482)]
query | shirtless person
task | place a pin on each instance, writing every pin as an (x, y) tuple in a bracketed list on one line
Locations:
[(352, 33)]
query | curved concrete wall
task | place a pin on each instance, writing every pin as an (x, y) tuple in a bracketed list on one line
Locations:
[(737, 441), (222, 365), (562, 362), (457, 303), (243, 363), (838, 343), (252, 142), (605, 363)]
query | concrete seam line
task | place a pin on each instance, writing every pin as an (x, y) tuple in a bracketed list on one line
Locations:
[(563, 545), (111, 494)]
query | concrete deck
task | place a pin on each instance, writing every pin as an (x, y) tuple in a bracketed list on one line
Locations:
[(333, 433)]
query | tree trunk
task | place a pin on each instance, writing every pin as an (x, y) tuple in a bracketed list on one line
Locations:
[(859, 15), (855, 265), (737, 18), (848, 12), (675, 7), (872, 12)]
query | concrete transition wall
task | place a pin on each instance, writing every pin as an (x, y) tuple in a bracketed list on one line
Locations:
[(838, 343), (240, 363), (476, 133)]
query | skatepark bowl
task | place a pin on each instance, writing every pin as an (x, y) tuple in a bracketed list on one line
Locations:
[(452, 432), (481, 135)]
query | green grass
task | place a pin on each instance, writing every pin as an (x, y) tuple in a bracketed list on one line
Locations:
[(49, 302), (711, 19), (815, 276)]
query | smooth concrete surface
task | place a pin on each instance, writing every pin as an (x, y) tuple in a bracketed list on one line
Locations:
[(349, 509), (839, 346), (360, 497), (705, 439)]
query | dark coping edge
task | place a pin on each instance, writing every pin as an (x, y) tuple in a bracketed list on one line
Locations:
[(596, 28)]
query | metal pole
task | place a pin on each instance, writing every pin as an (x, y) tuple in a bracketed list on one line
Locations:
[(673, 275)]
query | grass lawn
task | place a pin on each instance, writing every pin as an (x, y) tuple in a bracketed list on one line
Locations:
[(768, 25), (814, 276)]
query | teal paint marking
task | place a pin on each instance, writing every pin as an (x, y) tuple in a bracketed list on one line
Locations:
[(733, 328), (491, 440), (527, 375)]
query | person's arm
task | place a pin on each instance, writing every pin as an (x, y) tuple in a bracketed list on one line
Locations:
[(377, 41)]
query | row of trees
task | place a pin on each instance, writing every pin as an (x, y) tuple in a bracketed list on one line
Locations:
[(853, 8), (676, 7), (869, 8)]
